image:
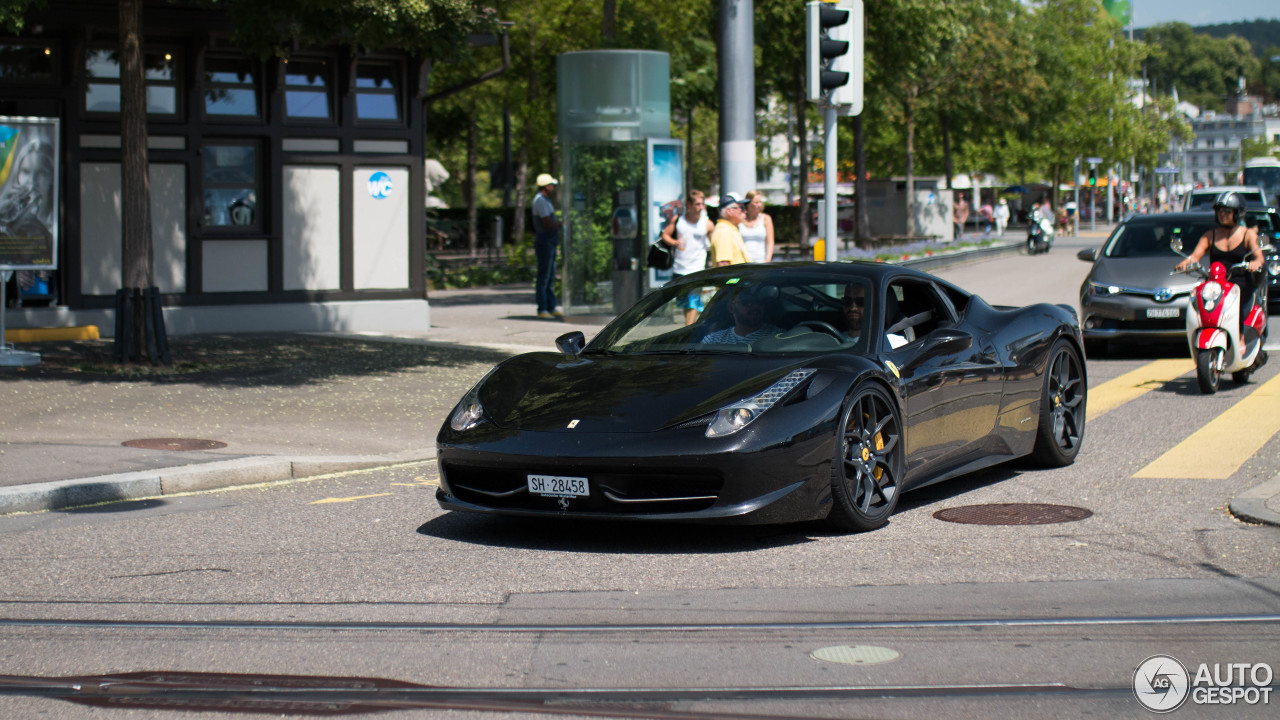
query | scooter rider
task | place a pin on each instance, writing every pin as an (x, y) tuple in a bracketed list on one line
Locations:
[(1230, 243)]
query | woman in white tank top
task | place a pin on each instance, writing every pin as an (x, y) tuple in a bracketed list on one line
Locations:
[(757, 229)]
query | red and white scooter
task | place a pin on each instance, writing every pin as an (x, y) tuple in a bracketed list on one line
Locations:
[(1214, 330)]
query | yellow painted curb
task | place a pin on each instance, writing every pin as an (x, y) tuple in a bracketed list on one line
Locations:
[(81, 332)]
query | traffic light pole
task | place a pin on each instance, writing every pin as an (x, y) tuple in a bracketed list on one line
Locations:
[(829, 160)]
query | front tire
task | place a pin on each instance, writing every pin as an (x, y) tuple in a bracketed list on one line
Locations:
[(867, 469), (1207, 373), (1062, 408)]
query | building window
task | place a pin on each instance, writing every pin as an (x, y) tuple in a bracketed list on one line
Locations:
[(102, 86), (231, 87), (308, 90), (27, 63), (1210, 142), (231, 187), (378, 91)]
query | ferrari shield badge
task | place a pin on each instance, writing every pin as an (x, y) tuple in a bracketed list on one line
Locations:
[(893, 368), (573, 424)]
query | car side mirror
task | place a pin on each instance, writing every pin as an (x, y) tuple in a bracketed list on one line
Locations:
[(1088, 255), (571, 343)]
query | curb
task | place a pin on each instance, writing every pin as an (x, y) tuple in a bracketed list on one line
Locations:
[(63, 494), (937, 262), (1251, 505)]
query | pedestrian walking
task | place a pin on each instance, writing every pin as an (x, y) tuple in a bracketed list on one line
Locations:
[(757, 229), (690, 234), (726, 241), (1002, 216), (960, 214), (546, 239)]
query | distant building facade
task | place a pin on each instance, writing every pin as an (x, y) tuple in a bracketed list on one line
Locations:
[(285, 194)]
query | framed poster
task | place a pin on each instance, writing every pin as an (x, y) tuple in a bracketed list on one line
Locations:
[(666, 193), (29, 162)]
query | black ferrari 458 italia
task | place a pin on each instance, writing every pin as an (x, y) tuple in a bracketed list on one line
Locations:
[(769, 393)]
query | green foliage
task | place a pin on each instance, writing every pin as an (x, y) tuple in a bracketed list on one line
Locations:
[(1204, 69), (13, 13), (426, 28), (598, 173)]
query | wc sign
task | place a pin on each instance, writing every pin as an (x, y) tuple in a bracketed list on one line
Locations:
[(379, 185)]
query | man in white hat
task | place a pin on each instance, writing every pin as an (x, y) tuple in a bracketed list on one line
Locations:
[(546, 238)]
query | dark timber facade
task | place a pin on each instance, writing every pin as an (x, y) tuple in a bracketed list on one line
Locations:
[(286, 194)]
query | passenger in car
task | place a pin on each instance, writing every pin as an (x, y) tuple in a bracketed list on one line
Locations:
[(854, 302)]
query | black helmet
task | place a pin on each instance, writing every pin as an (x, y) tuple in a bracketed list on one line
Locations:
[(1234, 202)]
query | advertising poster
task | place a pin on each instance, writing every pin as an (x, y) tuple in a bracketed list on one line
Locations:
[(28, 193), (666, 193)]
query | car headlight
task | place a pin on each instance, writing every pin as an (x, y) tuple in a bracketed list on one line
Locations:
[(1100, 289), (469, 412), (732, 418)]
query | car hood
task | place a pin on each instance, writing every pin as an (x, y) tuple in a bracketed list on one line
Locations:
[(1141, 274), (551, 392)]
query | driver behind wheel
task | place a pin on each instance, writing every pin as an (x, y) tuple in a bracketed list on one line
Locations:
[(749, 309)]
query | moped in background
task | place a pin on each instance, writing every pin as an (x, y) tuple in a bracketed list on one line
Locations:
[(1219, 341), (1039, 231)]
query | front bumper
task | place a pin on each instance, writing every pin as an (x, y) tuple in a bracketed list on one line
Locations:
[(1133, 316)]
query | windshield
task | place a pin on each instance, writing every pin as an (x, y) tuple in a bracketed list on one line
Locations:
[(757, 311), (1152, 239), (1267, 178), (1204, 201)]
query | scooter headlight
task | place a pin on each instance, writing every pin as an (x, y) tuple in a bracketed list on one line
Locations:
[(1210, 294), (1273, 267)]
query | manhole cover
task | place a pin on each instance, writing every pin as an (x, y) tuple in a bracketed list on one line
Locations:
[(174, 444), (1013, 514), (856, 654)]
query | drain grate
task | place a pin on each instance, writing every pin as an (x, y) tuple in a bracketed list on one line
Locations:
[(1013, 514), (174, 444)]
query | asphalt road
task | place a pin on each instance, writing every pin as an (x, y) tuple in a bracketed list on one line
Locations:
[(361, 575)]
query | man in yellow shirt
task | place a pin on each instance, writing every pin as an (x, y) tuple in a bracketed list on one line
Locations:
[(726, 242)]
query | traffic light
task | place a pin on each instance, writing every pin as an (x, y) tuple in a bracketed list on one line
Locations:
[(1093, 177), (833, 54)]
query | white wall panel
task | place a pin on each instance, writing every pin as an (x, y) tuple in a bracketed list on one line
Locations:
[(100, 235), (381, 229), (312, 228)]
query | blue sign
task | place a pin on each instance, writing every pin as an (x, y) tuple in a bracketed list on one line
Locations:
[(379, 185)]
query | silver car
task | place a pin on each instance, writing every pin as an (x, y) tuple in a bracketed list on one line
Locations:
[(1129, 294)]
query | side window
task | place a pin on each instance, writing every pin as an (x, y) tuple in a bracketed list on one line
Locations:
[(231, 187), (913, 309), (231, 87), (378, 92), (28, 64), (102, 86), (308, 90)]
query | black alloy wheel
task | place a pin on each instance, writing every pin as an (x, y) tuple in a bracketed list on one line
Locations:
[(868, 464), (1062, 408)]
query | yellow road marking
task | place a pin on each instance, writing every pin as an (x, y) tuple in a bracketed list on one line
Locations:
[(1218, 449), (1115, 392), (348, 499)]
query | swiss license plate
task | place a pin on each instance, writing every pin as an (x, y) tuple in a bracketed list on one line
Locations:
[(1165, 312), (558, 486)]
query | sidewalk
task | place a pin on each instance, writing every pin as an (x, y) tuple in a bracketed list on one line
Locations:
[(255, 409)]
